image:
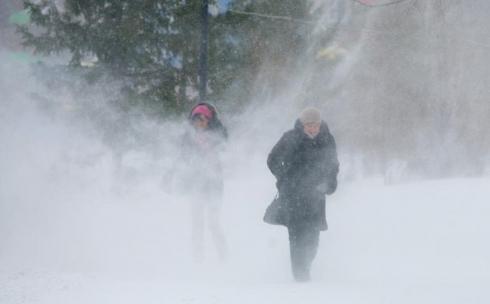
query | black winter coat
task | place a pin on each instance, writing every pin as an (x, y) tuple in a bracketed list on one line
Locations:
[(306, 169)]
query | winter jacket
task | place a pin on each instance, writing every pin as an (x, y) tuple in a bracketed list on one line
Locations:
[(305, 169), (201, 169)]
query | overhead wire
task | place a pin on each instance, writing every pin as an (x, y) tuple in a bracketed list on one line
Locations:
[(284, 18), (291, 19), (379, 4)]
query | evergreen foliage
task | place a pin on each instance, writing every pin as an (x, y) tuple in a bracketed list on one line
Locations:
[(152, 47)]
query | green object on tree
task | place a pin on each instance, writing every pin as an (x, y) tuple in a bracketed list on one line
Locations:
[(20, 18), (24, 57)]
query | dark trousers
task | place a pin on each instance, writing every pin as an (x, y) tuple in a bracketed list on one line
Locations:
[(303, 246)]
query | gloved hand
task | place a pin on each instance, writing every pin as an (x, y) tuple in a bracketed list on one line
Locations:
[(327, 188), (332, 186), (322, 188)]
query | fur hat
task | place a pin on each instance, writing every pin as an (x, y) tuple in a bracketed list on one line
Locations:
[(310, 115)]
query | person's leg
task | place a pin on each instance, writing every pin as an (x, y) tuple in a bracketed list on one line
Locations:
[(303, 242), (297, 253), (311, 240), (197, 233), (215, 227)]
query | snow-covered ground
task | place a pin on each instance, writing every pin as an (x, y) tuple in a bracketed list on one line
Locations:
[(421, 242), (76, 228)]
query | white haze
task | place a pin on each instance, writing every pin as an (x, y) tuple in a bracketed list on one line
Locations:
[(86, 218)]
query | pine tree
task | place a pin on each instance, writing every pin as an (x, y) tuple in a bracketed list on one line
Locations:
[(152, 47)]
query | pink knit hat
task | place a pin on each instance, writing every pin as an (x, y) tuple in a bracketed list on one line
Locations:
[(202, 110)]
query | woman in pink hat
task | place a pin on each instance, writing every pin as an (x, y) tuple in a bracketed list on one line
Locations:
[(202, 144)]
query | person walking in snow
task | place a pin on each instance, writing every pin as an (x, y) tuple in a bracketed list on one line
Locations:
[(304, 163), (201, 146)]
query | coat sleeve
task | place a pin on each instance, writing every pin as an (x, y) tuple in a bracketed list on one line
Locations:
[(280, 158), (332, 167), (220, 130)]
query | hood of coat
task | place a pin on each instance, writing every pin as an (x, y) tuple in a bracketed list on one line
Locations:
[(215, 125)]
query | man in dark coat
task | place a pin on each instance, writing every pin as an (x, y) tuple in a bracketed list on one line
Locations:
[(305, 164)]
